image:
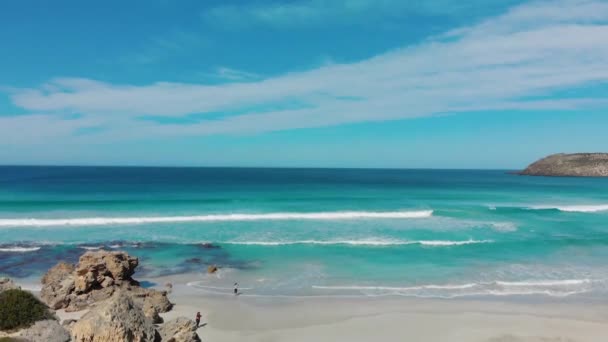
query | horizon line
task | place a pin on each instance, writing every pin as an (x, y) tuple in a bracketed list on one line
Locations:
[(257, 167)]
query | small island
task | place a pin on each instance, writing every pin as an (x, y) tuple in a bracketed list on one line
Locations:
[(570, 165)]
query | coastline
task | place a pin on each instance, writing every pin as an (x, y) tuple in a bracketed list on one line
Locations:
[(238, 318), (255, 318)]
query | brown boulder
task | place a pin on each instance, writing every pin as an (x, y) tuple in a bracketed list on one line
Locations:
[(154, 298), (212, 269), (102, 269), (96, 277), (180, 329), (47, 331), (151, 312), (57, 286), (117, 319)]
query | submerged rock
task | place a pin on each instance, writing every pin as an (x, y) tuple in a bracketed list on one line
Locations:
[(180, 329), (194, 261), (208, 245), (117, 319), (47, 330)]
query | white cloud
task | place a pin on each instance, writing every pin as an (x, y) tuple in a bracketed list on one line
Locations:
[(497, 64), (40, 128)]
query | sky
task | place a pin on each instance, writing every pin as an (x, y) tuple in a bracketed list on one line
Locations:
[(316, 83)]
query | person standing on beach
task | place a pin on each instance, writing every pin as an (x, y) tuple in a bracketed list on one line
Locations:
[(198, 319), (236, 289)]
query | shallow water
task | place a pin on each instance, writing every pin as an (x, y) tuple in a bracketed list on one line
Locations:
[(425, 233)]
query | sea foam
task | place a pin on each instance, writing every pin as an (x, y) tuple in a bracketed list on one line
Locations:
[(19, 249), (321, 216), (554, 288), (573, 208), (368, 242)]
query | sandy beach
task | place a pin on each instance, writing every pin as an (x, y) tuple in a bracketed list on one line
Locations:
[(250, 318)]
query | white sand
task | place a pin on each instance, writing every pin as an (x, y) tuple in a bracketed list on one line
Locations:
[(244, 318)]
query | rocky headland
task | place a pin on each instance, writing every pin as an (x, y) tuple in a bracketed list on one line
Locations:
[(570, 165), (118, 308)]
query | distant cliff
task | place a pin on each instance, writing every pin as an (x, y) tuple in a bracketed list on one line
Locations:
[(572, 165)]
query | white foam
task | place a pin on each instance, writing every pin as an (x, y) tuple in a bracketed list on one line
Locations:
[(91, 248), (574, 208), (98, 221), (393, 288), (566, 282), (371, 242), (19, 249), (554, 288), (504, 226), (452, 243)]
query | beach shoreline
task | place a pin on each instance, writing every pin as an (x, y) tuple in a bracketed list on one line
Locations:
[(388, 318), (226, 317)]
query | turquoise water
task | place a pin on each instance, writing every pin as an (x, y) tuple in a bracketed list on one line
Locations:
[(425, 233)]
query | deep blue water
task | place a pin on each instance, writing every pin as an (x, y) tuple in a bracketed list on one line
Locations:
[(438, 233)]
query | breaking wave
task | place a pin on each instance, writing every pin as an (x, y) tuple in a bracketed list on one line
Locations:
[(575, 208), (371, 242), (321, 216), (18, 249)]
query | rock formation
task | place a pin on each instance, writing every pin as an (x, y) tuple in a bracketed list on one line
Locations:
[(48, 331), (570, 165), (7, 284), (57, 286), (152, 313), (119, 309), (96, 277), (103, 269), (117, 319), (179, 330)]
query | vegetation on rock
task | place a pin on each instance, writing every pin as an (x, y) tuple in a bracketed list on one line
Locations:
[(20, 309)]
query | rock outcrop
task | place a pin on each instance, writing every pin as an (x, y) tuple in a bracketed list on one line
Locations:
[(57, 286), (152, 313), (47, 331), (570, 165), (117, 319), (96, 277), (103, 269), (7, 284), (179, 330)]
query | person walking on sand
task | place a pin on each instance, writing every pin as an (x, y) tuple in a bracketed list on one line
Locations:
[(198, 319), (236, 289)]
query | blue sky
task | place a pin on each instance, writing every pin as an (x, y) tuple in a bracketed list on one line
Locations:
[(359, 83)]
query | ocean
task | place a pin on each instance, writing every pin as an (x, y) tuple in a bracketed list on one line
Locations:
[(317, 232)]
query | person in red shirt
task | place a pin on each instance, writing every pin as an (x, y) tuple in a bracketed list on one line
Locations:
[(198, 319)]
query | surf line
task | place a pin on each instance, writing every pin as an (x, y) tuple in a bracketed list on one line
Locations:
[(319, 216)]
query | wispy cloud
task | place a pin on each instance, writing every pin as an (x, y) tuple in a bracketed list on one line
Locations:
[(500, 63), (230, 75), (161, 47), (334, 12)]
